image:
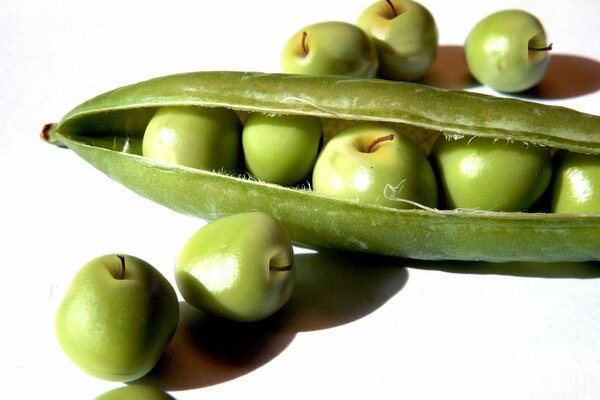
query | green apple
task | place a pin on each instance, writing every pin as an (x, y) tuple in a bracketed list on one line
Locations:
[(376, 164), (576, 185), (117, 317), (196, 137), (137, 391), (239, 267), (405, 35), (508, 51), (488, 174), (281, 149), (330, 48)]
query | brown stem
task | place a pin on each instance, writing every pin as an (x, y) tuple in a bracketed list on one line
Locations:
[(281, 268), (304, 46), (122, 258), (379, 140), (546, 48), (394, 13), (45, 133)]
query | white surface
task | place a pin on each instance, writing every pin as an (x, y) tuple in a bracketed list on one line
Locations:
[(417, 330)]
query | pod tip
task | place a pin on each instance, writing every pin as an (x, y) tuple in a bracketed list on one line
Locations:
[(47, 134)]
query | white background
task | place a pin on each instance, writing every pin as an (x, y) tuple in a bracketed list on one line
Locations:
[(356, 326)]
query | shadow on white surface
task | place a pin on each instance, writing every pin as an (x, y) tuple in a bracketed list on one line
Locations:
[(332, 289), (558, 270), (449, 70), (567, 76)]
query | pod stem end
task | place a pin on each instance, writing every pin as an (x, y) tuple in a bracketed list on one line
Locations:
[(48, 134)]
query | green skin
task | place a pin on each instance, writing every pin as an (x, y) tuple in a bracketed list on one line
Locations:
[(405, 36), (487, 174), (330, 48), (197, 137), (508, 51), (389, 172), (281, 149), (130, 392), (576, 186), (117, 317), (239, 267)]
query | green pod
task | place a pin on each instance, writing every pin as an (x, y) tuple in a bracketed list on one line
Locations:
[(107, 131)]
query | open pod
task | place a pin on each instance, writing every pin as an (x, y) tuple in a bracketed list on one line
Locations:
[(107, 132)]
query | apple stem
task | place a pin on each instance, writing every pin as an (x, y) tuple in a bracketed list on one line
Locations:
[(304, 47), (379, 140), (394, 13), (546, 48), (281, 268), (122, 258)]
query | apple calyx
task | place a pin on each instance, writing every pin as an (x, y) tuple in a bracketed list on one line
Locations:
[(377, 141), (303, 42)]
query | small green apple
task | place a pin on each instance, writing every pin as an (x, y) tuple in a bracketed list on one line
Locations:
[(197, 137), (508, 51), (488, 174), (137, 391), (117, 317), (281, 149), (576, 185), (376, 164), (405, 35), (330, 48), (239, 267)]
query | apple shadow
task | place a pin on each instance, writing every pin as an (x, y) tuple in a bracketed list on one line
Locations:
[(449, 70), (331, 289), (567, 75), (208, 350), (336, 288)]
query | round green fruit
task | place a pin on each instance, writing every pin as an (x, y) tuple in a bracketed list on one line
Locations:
[(138, 391), (508, 51), (196, 137), (576, 185), (330, 48), (239, 267), (488, 174), (374, 163), (117, 317), (281, 149), (405, 35)]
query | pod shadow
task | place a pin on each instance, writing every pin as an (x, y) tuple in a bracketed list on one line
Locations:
[(557, 270), (331, 289)]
